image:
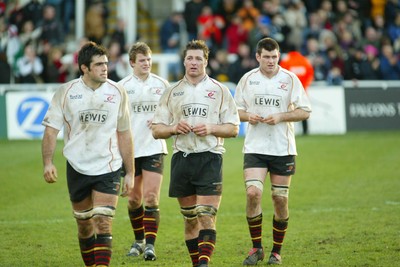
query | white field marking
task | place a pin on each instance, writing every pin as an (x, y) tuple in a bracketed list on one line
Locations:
[(326, 210), (388, 202), (22, 222)]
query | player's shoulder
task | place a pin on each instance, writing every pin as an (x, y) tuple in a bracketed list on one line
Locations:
[(126, 80), (115, 85), (73, 84), (251, 74), (286, 72), (155, 77)]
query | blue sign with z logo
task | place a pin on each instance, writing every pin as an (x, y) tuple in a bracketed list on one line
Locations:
[(30, 114)]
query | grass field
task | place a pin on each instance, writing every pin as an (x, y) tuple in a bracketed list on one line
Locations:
[(344, 209)]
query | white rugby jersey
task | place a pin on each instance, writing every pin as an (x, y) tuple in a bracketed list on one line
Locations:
[(144, 97), (256, 93), (208, 102), (91, 119)]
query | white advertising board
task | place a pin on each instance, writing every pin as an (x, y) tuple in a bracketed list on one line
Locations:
[(328, 110), (25, 112)]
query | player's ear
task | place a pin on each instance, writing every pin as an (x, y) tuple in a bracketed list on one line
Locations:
[(84, 68)]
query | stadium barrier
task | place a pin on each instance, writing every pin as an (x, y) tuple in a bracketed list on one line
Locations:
[(365, 105)]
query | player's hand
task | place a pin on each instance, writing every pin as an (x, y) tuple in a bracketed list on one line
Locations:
[(202, 129), (254, 118), (272, 119), (127, 185), (182, 127), (50, 173)]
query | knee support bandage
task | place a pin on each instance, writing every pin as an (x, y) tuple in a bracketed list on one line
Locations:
[(84, 214), (108, 211), (254, 182), (203, 210), (189, 213), (280, 190)]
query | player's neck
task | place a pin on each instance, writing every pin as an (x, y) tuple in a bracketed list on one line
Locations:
[(195, 79), (90, 83), (142, 76), (269, 74)]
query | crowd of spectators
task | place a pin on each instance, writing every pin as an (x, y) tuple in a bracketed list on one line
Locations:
[(351, 40), (344, 40), (36, 37)]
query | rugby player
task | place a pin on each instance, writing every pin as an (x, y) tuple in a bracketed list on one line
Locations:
[(94, 113), (270, 99), (144, 90), (198, 112)]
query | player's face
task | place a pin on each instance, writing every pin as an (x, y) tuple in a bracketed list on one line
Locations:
[(142, 65), (195, 63), (268, 61), (98, 69)]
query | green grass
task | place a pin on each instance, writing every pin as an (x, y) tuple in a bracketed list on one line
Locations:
[(344, 209)]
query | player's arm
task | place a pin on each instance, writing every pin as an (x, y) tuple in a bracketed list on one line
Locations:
[(49, 143), (249, 117), (125, 145), (163, 131), (225, 130), (291, 116)]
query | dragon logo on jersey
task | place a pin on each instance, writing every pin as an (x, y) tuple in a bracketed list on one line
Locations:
[(93, 116), (283, 85), (157, 91), (195, 110), (110, 98), (210, 94)]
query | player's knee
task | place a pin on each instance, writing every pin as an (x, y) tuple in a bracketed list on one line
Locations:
[(280, 191), (206, 210), (83, 214), (189, 213), (107, 211), (134, 199), (254, 188)]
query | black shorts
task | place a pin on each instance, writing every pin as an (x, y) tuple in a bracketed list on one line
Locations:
[(281, 165), (196, 174), (153, 163), (80, 185)]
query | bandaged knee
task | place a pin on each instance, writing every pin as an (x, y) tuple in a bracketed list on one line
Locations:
[(254, 182), (189, 213), (206, 210), (84, 214), (108, 211), (280, 190)]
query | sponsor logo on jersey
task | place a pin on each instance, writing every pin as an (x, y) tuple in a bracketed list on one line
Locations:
[(93, 116), (210, 94), (109, 98), (144, 107), (157, 90), (254, 82), (283, 85), (195, 110), (75, 96), (268, 100), (178, 94)]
